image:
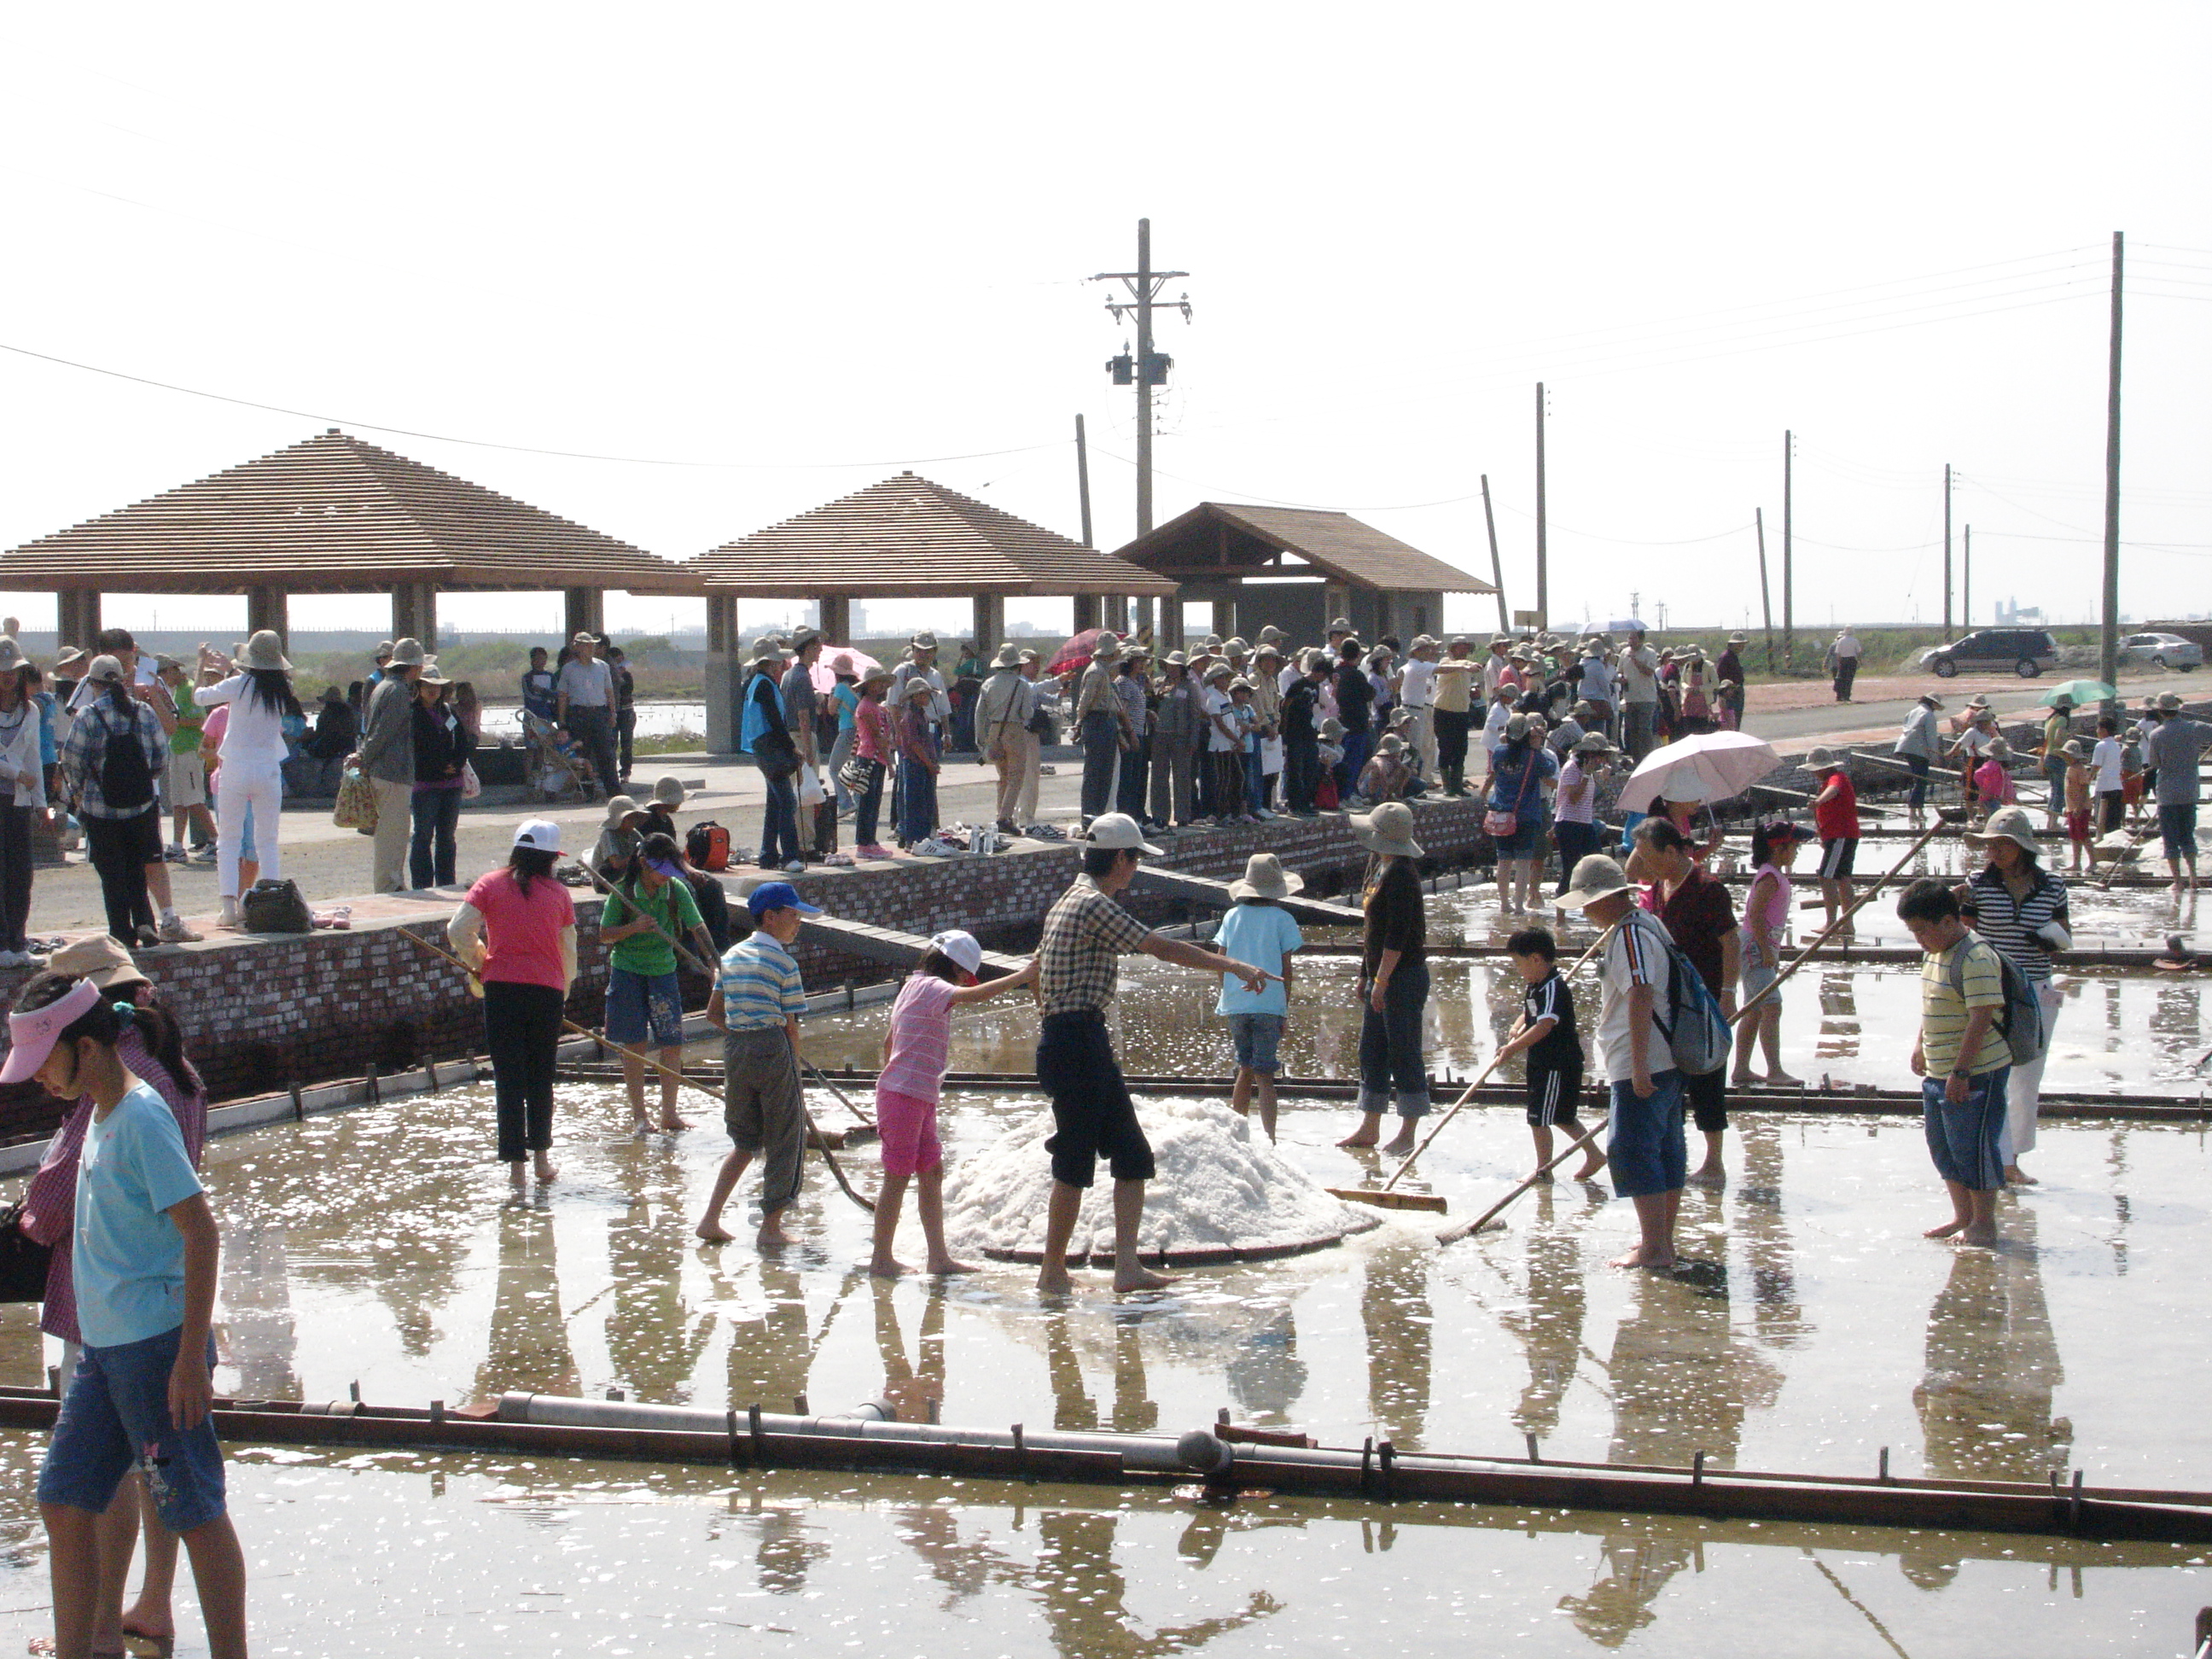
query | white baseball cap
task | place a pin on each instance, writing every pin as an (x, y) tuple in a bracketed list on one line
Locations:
[(1116, 831), (543, 834), (962, 948)]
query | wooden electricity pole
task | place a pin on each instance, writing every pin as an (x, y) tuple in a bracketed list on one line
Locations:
[(1083, 478), (1967, 578), (1543, 553), (2108, 655), (1765, 605), (1789, 640), (1947, 550), (1496, 569)]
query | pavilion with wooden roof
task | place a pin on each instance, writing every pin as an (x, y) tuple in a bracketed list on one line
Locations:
[(332, 515), (905, 538), (1297, 568)]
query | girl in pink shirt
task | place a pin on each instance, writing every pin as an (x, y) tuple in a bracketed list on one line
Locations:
[(916, 1054), (1993, 778)]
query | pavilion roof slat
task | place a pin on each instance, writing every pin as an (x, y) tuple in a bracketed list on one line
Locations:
[(334, 509), (1335, 544), (908, 536)]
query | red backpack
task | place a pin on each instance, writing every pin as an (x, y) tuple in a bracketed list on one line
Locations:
[(707, 846)]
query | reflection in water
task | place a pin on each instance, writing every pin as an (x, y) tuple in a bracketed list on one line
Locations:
[(783, 1550), (529, 1346), (259, 1339), (1266, 1378), (1074, 1408), (917, 1391), (1777, 1314), (1394, 1310), (771, 1355), (653, 1342), (1993, 1366), (1840, 1016), (1551, 1330)]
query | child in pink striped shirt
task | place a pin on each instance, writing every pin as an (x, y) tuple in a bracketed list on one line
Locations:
[(916, 1051)]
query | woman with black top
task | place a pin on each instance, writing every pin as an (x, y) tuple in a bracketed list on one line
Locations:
[(22, 801), (1355, 704), (1394, 980), (115, 751), (443, 744)]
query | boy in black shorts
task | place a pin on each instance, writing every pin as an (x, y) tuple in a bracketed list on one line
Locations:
[(1546, 1033)]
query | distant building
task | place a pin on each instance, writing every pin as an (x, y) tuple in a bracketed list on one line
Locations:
[(2010, 613)]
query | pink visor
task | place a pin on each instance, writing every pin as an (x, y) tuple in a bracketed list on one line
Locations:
[(31, 1036)]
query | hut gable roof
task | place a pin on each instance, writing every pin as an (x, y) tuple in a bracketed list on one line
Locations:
[(1336, 544), (909, 536), (332, 515)]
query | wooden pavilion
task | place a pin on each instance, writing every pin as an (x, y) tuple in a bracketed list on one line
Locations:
[(332, 515)]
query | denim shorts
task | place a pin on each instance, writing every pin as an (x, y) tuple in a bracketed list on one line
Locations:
[(1256, 1036), (644, 1009), (116, 1414), (1521, 843), (1648, 1153), (1962, 1139), (2176, 828), (1757, 977)]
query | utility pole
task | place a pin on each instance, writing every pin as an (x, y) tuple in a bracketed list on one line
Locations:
[(1947, 549), (2108, 655), (1149, 368), (1083, 478), (1543, 551), (1967, 579), (1497, 568), (1789, 640), (1765, 605)]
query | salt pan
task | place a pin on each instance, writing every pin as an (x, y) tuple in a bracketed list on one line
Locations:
[(1222, 1192)]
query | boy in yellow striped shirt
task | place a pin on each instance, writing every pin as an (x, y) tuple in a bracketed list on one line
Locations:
[(1961, 1058)]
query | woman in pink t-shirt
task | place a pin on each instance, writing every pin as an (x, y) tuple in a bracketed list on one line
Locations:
[(517, 928), (916, 1053)]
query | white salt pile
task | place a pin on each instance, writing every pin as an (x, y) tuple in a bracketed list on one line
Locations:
[(1223, 1194)]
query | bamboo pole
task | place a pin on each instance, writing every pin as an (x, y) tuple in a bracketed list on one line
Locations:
[(669, 1072)]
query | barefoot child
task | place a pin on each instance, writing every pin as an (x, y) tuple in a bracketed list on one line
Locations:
[(2077, 801), (914, 1057), (1259, 931), (1546, 1033), (1960, 1057), (144, 1252), (649, 908), (756, 1002), (1765, 926)]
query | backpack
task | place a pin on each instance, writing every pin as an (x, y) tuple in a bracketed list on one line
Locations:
[(1697, 1032), (2020, 1022), (707, 846), (126, 782), (273, 905)]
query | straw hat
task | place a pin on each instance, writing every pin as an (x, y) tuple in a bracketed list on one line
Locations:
[(1596, 877), (1737, 639), (1389, 828), (432, 674), (1594, 743), (1823, 760), (1009, 656), (668, 790), (2010, 824), (1264, 878), (621, 807), (1106, 648), (101, 959), (407, 653)]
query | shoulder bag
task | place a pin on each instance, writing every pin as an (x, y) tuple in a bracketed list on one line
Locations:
[(1497, 824)]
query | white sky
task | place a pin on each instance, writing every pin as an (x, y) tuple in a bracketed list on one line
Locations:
[(815, 245)]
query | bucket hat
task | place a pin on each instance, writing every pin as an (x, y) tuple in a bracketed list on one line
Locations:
[(1594, 743), (1738, 639), (1389, 828), (432, 674), (2075, 749), (924, 640), (621, 807), (1106, 647), (1596, 877), (407, 653), (1264, 878), (2010, 824), (668, 790), (2169, 702), (11, 655), (1009, 656), (264, 650), (101, 959)]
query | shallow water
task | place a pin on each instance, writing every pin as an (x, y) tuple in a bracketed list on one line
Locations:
[(1814, 1328)]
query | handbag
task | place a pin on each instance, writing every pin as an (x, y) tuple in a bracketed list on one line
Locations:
[(1498, 825), (859, 774), (471, 785), (23, 1261), (356, 803), (274, 905)]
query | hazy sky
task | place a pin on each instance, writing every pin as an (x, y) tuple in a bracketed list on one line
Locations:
[(792, 250)]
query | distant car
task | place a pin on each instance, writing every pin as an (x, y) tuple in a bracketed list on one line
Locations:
[(2161, 651), (2025, 651)]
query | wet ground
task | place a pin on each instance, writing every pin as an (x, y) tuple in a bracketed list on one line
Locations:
[(1813, 1327)]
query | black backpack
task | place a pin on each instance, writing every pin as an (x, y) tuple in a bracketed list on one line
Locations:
[(126, 782)]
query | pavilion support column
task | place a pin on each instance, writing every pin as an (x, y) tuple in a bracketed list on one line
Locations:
[(586, 610), (1225, 617), (1086, 613), (269, 608), (77, 616), (988, 630), (834, 617), (1113, 610), (726, 668), (1146, 624), (1170, 634), (414, 613)]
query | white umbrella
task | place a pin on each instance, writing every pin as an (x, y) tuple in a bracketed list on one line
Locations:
[(1710, 767)]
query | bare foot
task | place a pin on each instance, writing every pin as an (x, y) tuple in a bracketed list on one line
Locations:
[(1542, 1177), (672, 1124), (1402, 1143), (947, 1264), (713, 1231), (545, 1171), (772, 1237), (884, 1267), (1979, 1237), (640, 1127), (2020, 1177), (1741, 1079), (1642, 1257), (1711, 1175), (1143, 1279), (1783, 1080), (1055, 1281), (1947, 1229), (516, 1177), (1590, 1171), (1360, 1138)]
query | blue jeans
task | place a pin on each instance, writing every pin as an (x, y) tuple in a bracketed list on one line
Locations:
[(430, 854), (1918, 797), (1962, 1139), (1644, 1142), (1357, 747), (1393, 1070), (867, 806), (917, 800), (779, 844), (1101, 762), (1255, 782), (115, 1413)]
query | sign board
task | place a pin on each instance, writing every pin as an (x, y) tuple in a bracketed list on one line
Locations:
[(1528, 619)]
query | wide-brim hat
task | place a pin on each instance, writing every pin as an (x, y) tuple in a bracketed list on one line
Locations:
[(1516, 725), (101, 958), (1738, 639), (332, 693), (1388, 829), (1175, 659), (1268, 648), (1594, 743), (2010, 824), (877, 676), (1332, 729), (11, 655), (924, 640), (1977, 701), (2075, 749), (621, 807), (70, 657), (432, 674), (1235, 646), (1264, 878), (1595, 877), (585, 636), (1221, 670), (1009, 656), (1340, 625), (407, 653), (1272, 634), (2169, 702), (1998, 749), (668, 790), (1106, 647), (1823, 760), (919, 685), (804, 637), (1392, 743), (1931, 699)]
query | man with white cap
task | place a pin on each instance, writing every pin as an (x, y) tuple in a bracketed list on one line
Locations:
[(1102, 726), (1004, 708), (1645, 1145), (387, 756), (1844, 659), (1417, 696), (1092, 1114), (1639, 695)]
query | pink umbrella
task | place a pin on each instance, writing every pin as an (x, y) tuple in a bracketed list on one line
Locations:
[(1075, 654), (837, 659)]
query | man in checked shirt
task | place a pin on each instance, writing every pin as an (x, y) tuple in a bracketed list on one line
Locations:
[(1084, 932)]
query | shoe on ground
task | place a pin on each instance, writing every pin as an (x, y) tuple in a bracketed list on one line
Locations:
[(174, 930), (229, 916), (174, 854), (15, 959), (796, 867)]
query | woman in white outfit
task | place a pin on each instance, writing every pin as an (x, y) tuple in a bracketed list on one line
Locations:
[(258, 689)]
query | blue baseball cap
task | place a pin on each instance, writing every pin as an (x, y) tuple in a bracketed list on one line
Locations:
[(778, 896)]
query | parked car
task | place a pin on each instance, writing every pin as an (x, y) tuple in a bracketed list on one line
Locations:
[(2025, 651), (2161, 651)]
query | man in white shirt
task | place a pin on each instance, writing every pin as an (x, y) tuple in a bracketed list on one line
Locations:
[(2106, 760), (584, 698), (1499, 663), (1639, 695), (1845, 654), (1417, 696)]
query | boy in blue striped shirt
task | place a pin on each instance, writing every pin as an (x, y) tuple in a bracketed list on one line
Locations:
[(756, 1002)]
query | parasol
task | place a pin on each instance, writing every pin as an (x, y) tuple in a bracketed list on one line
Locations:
[(1708, 768)]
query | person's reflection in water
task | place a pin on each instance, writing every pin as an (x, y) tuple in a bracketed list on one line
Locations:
[(1074, 1408), (1266, 1378), (1992, 1369), (1551, 1329), (772, 1355), (1682, 1384), (1777, 1312), (529, 1347), (653, 1342), (1394, 1309), (916, 1390), (783, 1552), (1839, 1016), (257, 1300), (1135, 1411), (1084, 1596)]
